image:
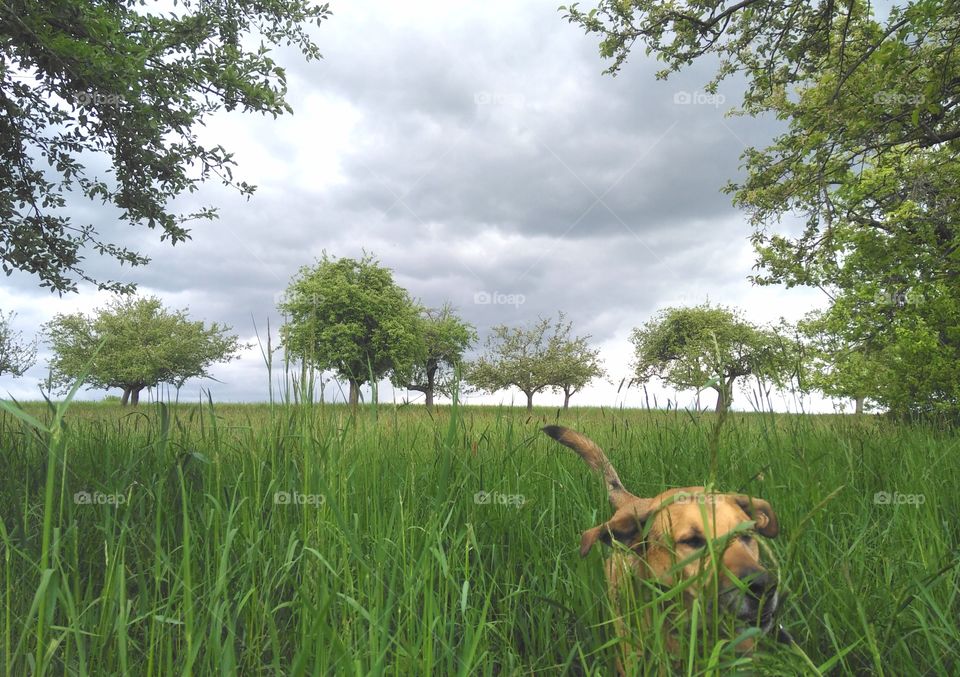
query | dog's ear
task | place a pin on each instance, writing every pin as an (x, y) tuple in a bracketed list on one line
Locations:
[(625, 526), (761, 512)]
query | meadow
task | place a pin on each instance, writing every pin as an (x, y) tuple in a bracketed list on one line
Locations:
[(294, 539)]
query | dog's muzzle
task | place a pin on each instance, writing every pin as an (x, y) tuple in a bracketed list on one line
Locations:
[(756, 604)]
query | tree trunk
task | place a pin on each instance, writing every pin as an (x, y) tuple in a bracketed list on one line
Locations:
[(126, 396), (566, 398), (529, 401), (724, 395), (135, 395), (354, 394), (859, 404), (428, 391)]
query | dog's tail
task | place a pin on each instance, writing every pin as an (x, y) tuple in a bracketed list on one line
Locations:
[(595, 458)]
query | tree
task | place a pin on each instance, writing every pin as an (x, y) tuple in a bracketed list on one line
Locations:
[(444, 337), (531, 359), (907, 364), (869, 160), (784, 362), (143, 345), (16, 356), (700, 346), (574, 364), (117, 81), (838, 368), (349, 316), (515, 356)]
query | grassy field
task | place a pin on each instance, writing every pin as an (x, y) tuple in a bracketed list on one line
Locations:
[(292, 539)]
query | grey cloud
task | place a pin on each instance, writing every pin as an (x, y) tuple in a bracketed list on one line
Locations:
[(483, 137)]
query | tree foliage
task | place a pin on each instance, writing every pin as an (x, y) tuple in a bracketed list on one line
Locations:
[(16, 355), (785, 364), (705, 346), (85, 81), (534, 358), (143, 345), (838, 368), (443, 338), (349, 316), (869, 161), (574, 364), (517, 357)]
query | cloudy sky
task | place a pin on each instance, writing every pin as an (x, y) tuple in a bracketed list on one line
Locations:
[(478, 150)]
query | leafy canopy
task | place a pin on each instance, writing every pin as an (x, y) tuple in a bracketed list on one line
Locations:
[(515, 356), (83, 82), (16, 355), (542, 355), (837, 367), (574, 364), (144, 345), (443, 339), (702, 346), (868, 163), (349, 316)]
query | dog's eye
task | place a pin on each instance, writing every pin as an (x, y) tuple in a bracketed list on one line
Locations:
[(694, 542)]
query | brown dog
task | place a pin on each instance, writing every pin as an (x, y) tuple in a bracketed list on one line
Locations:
[(672, 527)]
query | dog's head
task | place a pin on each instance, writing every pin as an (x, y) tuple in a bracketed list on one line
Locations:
[(669, 533)]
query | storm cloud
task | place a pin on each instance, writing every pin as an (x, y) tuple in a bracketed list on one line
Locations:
[(479, 152)]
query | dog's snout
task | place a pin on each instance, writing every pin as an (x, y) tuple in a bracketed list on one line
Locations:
[(761, 584), (753, 582), (753, 597)]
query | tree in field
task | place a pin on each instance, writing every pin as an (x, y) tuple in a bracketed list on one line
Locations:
[(533, 359), (574, 363), (515, 356), (143, 345), (838, 368), (702, 346), (890, 260), (16, 356), (444, 337), (870, 160), (785, 362), (349, 316), (128, 82)]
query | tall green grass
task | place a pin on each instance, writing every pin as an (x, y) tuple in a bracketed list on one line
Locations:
[(445, 542)]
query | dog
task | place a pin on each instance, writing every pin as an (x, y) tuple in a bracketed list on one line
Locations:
[(663, 534)]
